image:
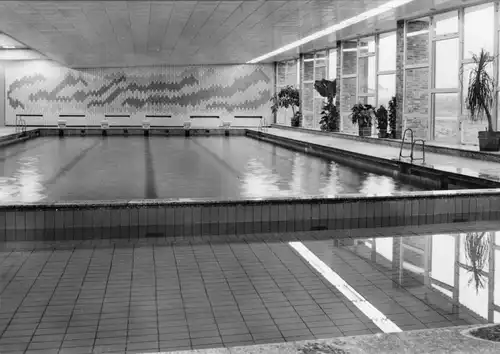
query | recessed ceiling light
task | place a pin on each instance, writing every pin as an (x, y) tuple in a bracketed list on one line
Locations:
[(351, 21), (8, 47)]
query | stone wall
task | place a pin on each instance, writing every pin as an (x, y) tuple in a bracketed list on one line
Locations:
[(400, 47)]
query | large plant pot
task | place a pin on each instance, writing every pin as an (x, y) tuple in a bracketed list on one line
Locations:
[(365, 131), (489, 141), (382, 133)]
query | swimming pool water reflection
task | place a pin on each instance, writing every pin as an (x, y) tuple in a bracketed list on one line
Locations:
[(96, 168)]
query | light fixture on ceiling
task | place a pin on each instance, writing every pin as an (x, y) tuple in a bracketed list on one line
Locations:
[(332, 29), (7, 42), (20, 54)]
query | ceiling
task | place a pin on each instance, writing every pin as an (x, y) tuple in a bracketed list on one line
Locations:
[(142, 33)]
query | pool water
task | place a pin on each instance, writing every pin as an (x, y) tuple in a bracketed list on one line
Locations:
[(135, 167)]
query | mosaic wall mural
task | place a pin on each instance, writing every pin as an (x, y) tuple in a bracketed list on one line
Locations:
[(41, 88)]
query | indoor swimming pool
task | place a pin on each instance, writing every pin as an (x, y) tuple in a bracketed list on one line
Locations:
[(48, 169)]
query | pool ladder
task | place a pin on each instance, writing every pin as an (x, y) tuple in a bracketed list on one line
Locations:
[(262, 124), (412, 149), (20, 125)]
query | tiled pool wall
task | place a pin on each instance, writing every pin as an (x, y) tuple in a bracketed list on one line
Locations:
[(421, 176), (170, 218)]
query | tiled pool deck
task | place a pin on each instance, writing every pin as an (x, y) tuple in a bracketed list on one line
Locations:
[(166, 294), (462, 165)]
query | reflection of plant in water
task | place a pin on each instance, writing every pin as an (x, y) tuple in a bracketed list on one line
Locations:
[(476, 254)]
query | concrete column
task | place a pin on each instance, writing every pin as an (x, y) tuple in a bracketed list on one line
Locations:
[(400, 72), (339, 73)]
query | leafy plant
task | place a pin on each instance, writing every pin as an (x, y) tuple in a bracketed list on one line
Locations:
[(362, 114), (287, 97), (329, 114), (326, 88), (330, 117), (393, 104), (481, 90), (381, 115)]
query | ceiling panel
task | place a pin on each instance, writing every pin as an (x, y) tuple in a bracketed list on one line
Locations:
[(143, 32)]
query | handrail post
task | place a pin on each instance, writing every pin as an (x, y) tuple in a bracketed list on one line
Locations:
[(403, 142)]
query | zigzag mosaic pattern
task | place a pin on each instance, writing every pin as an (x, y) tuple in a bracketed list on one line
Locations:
[(47, 88)]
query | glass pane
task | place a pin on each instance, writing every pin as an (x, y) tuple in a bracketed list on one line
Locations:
[(367, 45), (320, 71), (387, 52), (386, 89), (367, 100), (446, 23), (291, 73), (417, 91), (281, 66), (349, 55), (417, 41), (318, 107), (446, 69), (366, 75), (478, 29), (446, 117), (307, 120), (332, 65), (348, 94), (308, 70), (307, 100), (321, 54)]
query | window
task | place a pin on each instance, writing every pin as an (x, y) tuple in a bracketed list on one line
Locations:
[(386, 89), (332, 64), (446, 63), (367, 45), (387, 52), (349, 57), (478, 29), (367, 74), (417, 42), (446, 23)]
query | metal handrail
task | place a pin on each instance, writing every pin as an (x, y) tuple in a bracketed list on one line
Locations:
[(262, 124), (403, 143), (412, 147), (20, 125), (413, 150)]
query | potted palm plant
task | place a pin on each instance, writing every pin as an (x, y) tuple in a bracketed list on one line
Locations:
[(362, 115), (393, 104), (329, 115), (479, 100), (288, 97), (381, 115)]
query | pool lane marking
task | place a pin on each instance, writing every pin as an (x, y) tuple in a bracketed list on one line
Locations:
[(150, 183), (380, 320), (72, 163)]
